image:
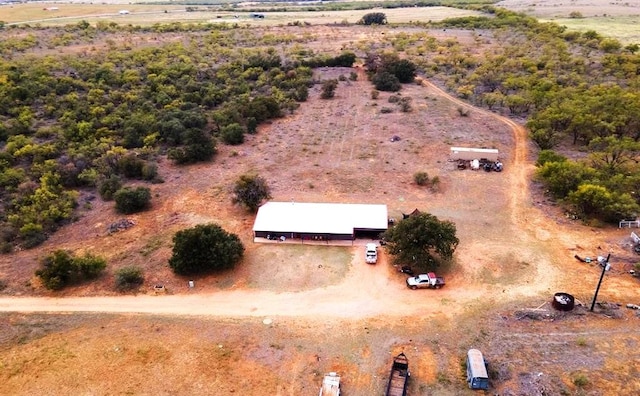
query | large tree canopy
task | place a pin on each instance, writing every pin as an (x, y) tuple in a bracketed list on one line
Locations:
[(205, 248), (421, 241)]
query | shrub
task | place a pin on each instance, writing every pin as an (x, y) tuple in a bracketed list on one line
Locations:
[(60, 269), (108, 187), (252, 123), (345, 59), (128, 278), (250, 190), (581, 380), (435, 183), (232, 134), (301, 93), (131, 166), (129, 200), (403, 69), (421, 178), (198, 146), (463, 111), (329, 89), (375, 94), (150, 172), (384, 81), (32, 235), (205, 248), (405, 104)]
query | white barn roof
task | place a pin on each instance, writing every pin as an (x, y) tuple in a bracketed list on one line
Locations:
[(320, 218)]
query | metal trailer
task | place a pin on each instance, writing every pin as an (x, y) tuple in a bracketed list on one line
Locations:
[(399, 377)]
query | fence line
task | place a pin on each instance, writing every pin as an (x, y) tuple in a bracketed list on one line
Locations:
[(629, 223)]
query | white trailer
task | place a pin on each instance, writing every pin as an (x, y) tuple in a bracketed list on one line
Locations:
[(469, 154)]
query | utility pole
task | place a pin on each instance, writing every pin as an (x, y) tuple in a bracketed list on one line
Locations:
[(605, 266)]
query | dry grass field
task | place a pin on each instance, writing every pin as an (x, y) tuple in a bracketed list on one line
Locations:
[(327, 310), (617, 19), (148, 14)]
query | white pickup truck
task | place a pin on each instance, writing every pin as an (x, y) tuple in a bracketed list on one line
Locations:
[(371, 253)]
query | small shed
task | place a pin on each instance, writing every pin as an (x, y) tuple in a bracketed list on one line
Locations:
[(469, 154)]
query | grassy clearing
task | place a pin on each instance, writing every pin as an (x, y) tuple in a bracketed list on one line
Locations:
[(623, 28)]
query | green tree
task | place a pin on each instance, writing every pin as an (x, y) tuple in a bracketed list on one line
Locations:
[(250, 191), (422, 240), (545, 156), (561, 178), (373, 18), (205, 248), (597, 201), (611, 155), (132, 200)]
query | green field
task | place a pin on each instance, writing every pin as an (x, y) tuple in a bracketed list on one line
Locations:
[(623, 28)]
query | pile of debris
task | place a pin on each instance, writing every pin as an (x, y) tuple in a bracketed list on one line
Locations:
[(475, 164), (120, 225)]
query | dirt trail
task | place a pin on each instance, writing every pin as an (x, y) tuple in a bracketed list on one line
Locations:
[(365, 292)]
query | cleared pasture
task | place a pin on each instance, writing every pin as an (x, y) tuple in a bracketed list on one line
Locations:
[(143, 14), (623, 28)]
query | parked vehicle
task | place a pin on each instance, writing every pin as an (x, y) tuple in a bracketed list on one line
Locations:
[(371, 253), (477, 376), (405, 269), (425, 281), (330, 385), (399, 377)]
